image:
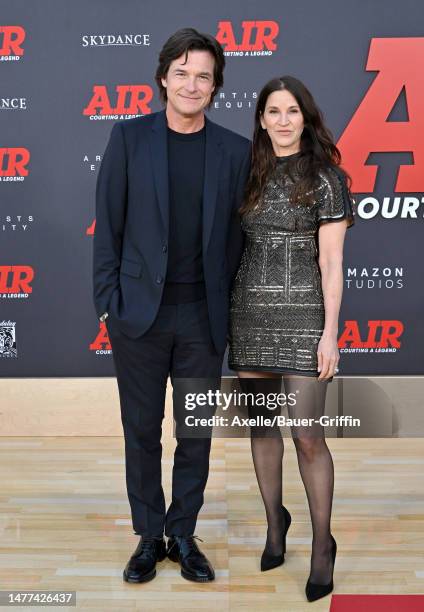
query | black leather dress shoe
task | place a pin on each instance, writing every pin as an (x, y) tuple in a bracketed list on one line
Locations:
[(194, 565), (142, 564)]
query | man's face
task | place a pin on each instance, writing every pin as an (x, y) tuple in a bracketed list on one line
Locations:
[(189, 84)]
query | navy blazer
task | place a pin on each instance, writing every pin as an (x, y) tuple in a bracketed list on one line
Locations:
[(130, 251)]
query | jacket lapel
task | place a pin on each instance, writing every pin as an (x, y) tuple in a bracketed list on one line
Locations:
[(213, 157), (159, 156)]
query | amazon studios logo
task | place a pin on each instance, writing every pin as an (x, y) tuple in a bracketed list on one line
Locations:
[(368, 277), (257, 38), (115, 40)]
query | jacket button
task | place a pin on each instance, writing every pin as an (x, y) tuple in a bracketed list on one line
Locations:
[(164, 248), (159, 280)]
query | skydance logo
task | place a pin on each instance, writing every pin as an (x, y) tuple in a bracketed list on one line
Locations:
[(13, 104), (115, 40)]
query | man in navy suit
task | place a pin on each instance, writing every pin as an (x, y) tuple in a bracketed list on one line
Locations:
[(167, 246)]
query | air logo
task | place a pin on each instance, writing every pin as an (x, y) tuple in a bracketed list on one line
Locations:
[(13, 163), (382, 336), (129, 100), (16, 280), (257, 37), (11, 39), (399, 66), (101, 344)]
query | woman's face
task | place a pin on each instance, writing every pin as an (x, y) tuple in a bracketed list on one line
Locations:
[(283, 120)]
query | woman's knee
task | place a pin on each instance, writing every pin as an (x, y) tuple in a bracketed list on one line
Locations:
[(309, 447)]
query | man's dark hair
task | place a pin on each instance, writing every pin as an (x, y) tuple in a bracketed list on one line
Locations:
[(183, 41)]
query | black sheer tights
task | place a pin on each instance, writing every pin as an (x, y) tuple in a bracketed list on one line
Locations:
[(314, 460)]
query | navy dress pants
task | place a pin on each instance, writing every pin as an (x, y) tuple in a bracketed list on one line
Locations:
[(179, 345)]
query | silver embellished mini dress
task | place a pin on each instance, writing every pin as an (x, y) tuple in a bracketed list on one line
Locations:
[(277, 305)]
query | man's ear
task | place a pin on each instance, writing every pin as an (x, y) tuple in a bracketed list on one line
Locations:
[(163, 81)]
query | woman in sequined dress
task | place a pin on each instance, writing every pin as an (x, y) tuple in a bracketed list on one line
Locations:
[(285, 305)]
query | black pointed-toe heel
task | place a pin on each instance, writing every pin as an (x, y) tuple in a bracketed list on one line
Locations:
[(316, 591), (270, 561)]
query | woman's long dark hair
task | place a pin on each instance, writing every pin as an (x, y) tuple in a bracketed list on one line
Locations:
[(317, 148)]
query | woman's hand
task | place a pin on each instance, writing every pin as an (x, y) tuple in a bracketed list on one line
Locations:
[(328, 356)]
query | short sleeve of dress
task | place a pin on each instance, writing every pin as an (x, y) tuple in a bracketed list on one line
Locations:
[(335, 201)]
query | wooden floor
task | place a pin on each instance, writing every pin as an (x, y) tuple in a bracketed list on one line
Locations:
[(64, 525)]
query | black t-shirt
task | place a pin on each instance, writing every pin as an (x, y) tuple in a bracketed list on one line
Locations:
[(186, 161)]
